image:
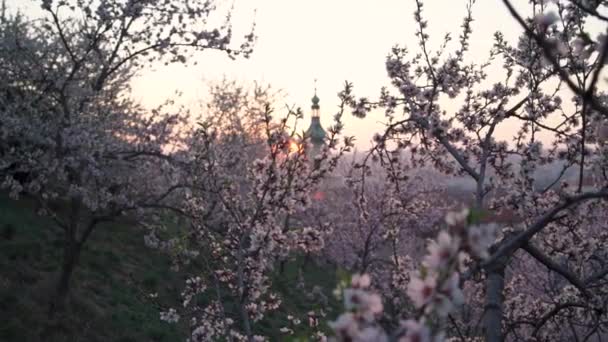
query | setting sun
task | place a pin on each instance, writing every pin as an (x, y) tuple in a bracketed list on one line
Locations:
[(294, 147)]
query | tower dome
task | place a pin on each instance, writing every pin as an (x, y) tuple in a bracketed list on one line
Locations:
[(315, 131), (315, 102)]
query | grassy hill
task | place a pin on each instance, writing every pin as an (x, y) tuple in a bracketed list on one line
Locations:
[(108, 301)]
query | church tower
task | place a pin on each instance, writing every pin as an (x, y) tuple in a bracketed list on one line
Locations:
[(315, 132)]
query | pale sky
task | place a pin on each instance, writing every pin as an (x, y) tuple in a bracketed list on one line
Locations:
[(331, 40)]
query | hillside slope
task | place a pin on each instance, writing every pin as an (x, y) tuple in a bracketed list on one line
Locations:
[(109, 298)]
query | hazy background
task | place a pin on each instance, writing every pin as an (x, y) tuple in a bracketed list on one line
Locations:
[(331, 40)]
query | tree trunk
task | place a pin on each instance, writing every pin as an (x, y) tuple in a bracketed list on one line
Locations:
[(495, 284), (246, 323), (307, 260), (71, 254), (243, 292)]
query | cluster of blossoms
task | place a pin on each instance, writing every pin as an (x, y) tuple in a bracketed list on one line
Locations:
[(169, 316), (364, 308), (581, 47), (434, 290), (72, 132)]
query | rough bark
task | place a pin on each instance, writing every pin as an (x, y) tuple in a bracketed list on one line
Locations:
[(493, 308)]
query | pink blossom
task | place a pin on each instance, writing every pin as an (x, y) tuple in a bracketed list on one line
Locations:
[(368, 304), (480, 237), (440, 252), (169, 316), (361, 281), (421, 291), (415, 332), (546, 19), (602, 130), (371, 334), (453, 218), (345, 325), (449, 296)]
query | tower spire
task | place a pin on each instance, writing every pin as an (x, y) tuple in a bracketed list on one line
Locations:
[(315, 132), (315, 102)]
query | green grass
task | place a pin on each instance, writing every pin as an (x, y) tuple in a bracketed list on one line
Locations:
[(107, 302), (108, 297), (298, 302)]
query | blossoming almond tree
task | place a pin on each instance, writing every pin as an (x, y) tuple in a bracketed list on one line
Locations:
[(247, 190), (70, 136), (554, 47)]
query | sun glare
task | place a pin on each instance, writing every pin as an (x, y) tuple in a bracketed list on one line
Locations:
[(294, 147)]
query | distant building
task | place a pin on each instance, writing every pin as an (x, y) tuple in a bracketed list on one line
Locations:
[(315, 132)]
